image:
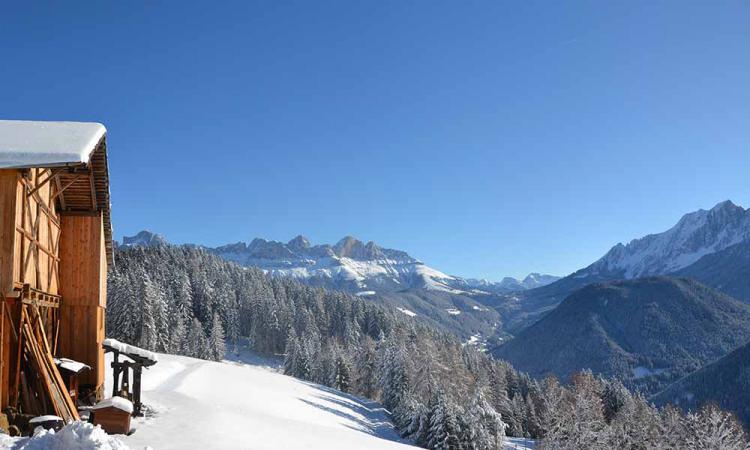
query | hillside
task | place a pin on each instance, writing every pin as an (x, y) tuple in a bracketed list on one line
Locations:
[(726, 382), (647, 332)]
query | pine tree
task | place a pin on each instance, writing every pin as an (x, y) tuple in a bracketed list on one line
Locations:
[(395, 381), (197, 344), (444, 432), (366, 381), (614, 397), (304, 367), (291, 353), (216, 343), (178, 336), (485, 429), (154, 333), (149, 333), (342, 378)]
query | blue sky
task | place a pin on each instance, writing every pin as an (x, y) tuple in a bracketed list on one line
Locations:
[(485, 138)]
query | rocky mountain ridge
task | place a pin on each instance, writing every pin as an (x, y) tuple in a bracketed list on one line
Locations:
[(352, 265)]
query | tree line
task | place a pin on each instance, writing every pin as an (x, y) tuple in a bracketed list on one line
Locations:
[(442, 394)]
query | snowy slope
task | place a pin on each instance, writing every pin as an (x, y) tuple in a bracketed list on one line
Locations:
[(247, 404), (696, 234)]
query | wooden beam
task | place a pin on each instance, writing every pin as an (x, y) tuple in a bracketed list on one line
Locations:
[(41, 203), (28, 236), (62, 189), (94, 206), (39, 185), (59, 192), (80, 213)]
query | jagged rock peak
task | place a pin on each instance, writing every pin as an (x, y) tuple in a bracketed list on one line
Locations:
[(144, 238), (351, 247), (299, 243), (696, 234)]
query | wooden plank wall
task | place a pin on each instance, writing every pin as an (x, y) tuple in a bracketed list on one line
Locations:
[(8, 187), (83, 286)]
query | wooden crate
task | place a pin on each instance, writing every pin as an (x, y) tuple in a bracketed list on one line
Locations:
[(112, 420)]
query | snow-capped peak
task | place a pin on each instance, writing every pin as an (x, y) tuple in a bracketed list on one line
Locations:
[(509, 284), (695, 235), (299, 243), (144, 238)]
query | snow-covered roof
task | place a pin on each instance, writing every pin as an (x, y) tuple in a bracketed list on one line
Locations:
[(120, 403), (130, 349), (26, 144), (71, 365), (47, 144)]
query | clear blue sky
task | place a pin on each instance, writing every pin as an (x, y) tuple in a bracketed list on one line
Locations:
[(486, 138)]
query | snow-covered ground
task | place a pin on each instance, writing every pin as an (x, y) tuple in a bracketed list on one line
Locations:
[(408, 312), (240, 403), (245, 403), (512, 443)]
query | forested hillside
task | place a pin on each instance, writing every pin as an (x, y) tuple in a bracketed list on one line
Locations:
[(725, 382), (441, 394), (647, 332)]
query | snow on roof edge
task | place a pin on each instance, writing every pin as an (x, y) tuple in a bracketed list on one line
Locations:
[(120, 403), (132, 349), (26, 143)]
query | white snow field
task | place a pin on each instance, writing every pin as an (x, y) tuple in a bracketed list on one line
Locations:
[(247, 404)]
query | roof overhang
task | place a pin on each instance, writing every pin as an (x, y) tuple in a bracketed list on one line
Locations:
[(77, 153), (26, 144)]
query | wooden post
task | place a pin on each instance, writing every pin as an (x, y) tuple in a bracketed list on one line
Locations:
[(126, 380), (137, 389), (116, 374)]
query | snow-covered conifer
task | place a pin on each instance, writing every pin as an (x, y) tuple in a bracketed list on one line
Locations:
[(216, 344)]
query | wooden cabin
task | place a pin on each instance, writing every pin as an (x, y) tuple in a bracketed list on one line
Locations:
[(55, 249)]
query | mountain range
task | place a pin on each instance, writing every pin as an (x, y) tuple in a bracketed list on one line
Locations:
[(361, 268), (691, 248), (351, 265)]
